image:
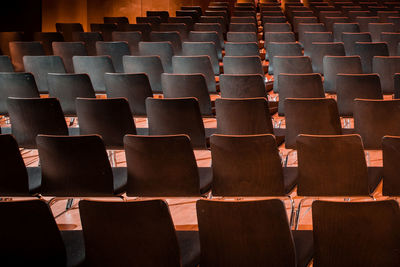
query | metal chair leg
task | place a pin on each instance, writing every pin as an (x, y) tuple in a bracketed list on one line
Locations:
[(298, 214)]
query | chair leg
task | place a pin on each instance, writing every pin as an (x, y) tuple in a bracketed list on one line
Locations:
[(292, 211), (298, 214), (70, 202)]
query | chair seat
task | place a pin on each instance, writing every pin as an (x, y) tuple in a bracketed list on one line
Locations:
[(75, 247), (375, 175), (205, 175), (35, 179), (189, 244), (304, 244), (289, 178), (120, 179)]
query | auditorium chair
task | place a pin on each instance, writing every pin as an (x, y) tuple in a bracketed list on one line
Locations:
[(66, 50), (248, 19), (175, 27), (116, 20), (6, 65), (309, 27), (315, 37), (364, 21), (391, 39), (214, 27), (339, 28), (242, 49), (386, 68), (90, 39), (384, 15), (187, 20), (330, 21), (132, 38), (273, 19), (242, 27), (377, 28), (282, 49), (173, 37), (207, 36), (192, 13), (243, 65), (143, 28), (105, 29), (47, 38), (154, 21), (68, 29), (116, 50), (390, 148), (164, 15), (241, 37), (283, 37), (395, 21), (215, 19), (300, 20), (320, 50), (20, 49), (277, 27), (202, 48), (367, 51), (350, 39), (162, 49)]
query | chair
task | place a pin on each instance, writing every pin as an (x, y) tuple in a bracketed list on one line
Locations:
[(116, 20), (395, 21), (18, 180), (390, 148), (91, 175), (242, 85), (146, 225), (188, 85), (110, 118), (195, 64), (164, 15), (32, 116), (315, 37), (162, 49), (386, 67), (177, 174), (274, 243), (20, 49), (242, 27), (277, 27), (154, 21), (67, 87), (192, 13), (5, 38), (215, 19), (20, 248), (307, 85), (143, 28), (243, 65), (353, 14), (290, 64), (282, 49), (384, 15), (132, 38), (309, 27), (116, 50), (200, 36), (340, 28), (6, 65), (187, 20), (332, 65), (177, 27), (243, 20), (298, 111), (242, 49), (320, 50), (350, 39), (135, 87), (299, 20), (396, 79), (162, 117), (202, 48), (352, 86), (367, 51), (333, 224), (90, 39), (95, 67), (213, 27), (330, 21), (173, 37), (241, 37), (47, 38), (16, 84), (364, 21), (105, 29), (67, 30), (374, 119), (150, 65), (66, 50), (273, 19), (391, 39), (41, 66), (377, 28)]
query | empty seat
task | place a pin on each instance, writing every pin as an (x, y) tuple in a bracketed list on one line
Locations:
[(391, 39), (154, 21), (367, 51), (350, 39), (164, 15), (277, 27), (282, 49), (320, 50), (143, 28), (242, 27), (5, 38), (66, 50), (173, 37), (116, 50), (299, 20), (384, 15), (6, 65), (329, 21), (315, 37), (364, 21), (105, 29), (273, 19), (187, 20), (177, 27), (132, 38), (339, 28), (116, 20), (242, 49), (386, 68), (243, 65), (241, 37), (47, 38), (215, 19), (215, 27), (377, 28), (67, 30), (90, 39), (202, 48), (309, 27), (242, 85), (20, 49), (162, 49), (200, 36), (243, 20)]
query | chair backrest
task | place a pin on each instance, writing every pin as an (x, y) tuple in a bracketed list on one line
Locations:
[(110, 118), (272, 245), (67, 87), (27, 222), (195, 64), (243, 65), (242, 85), (390, 148), (173, 37), (95, 67), (6, 65), (339, 28), (16, 84), (242, 27), (374, 119), (247, 165), (143, 28), (215, 19), (243, 116), (67, 30), (164, 15), (178, 27), (350, 39), (132, 38), (377, 28), (391, 39), (20, 49), (241, 37), (367, 51), (282, 49), (329, 21), (105, 29), (396, 78), (41, 66), (365, 223), (277, 27), (66, 50), (47, 38), (386, 67), (162, 49), (332, 65), (135, 87), (307, 85), (299, 20), (273, 19), (176, 174), (202, 48), (146, 225), (176, 116), (5, 38), (116, 50), (298, 111), (331, 165), (32, 116), (309, 27), (91, 175), (214, 27), (364, 21), (278, 37), (187, 85), (90, 39), (150, 65), (187, 20), (155, 21), (242, 49), (352, 86), (320, 50), (315, 37), (207, 36)]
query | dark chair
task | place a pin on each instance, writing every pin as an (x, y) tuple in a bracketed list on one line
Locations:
[(282, 49), (350, 39), (187, 20), (150, 65), (175, 27), (386, 68), (273, 245), (374, 119), (320, 50), (364, 21), (307, 85), (95, 67), (164, 15), (110, 118), (67, 87), (16, 84), (309, 27), (154, 21), (32, 116), (132, 38), (352, 86), (298, 113), (396, 79), (135, 87), (176, 175), (5, 38), (243, 65), (241, 37), (20, 238), (281, 37), (367, 51), (391, 39), (384, 15), (162, 49), (242, 49), (67, 30), (78, 166), (273, 19), (106, 30), (20, 49), (146, 225), (242, 85), (6, 65), (143, 28), (277, 27), (242, 27), (315, 37), (340, 28), (395, 21), (332, 65), (377, 28), (90, 39), (244, 20), (162, 118), (329, 21), (300, 20), (202, 36), (215, 19), (188, 85), (47, 38), (116, 50), (116, 20), (214, 27), (173, 37), (66, 50), (202, 48), (376, 223), (41, 66)]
